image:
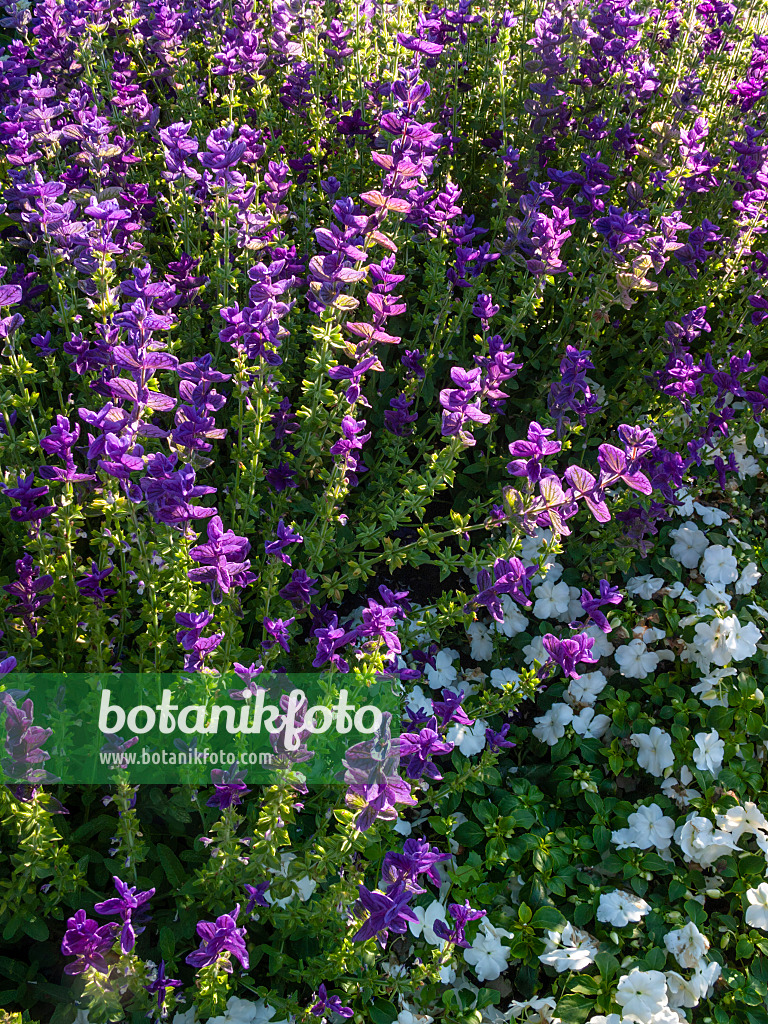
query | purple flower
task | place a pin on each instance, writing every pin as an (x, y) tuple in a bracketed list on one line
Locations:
[(568, 653), (330, 640), (591, 605), (285, 536), (462, 915), (299, 590), (88, 942), (401, 870), (90, 585), (125, 904), (385, 914), (28, 589), (220, 936), (497, 740), (277, 631), (450, 710), (420, 747), (223, 559), (161, 986), (230, 789), (256, 895), (333, 1003)]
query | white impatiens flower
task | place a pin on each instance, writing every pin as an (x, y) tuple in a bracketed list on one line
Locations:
[(741, 640), (602, 646), (709, 688), (748, 580), (644, 586), (574, 950), (550, 727), (718, 565), (552, 599), (709, 752), (710, 515), (652, 827), (642, 993), (425, 926), (470, 739), (709, 644), (487, 955), (481, 643), (589, 725), (619, 908), (443, 674), (534, 651), (678, 791), (756, 915), (635, 660), (501, 677), (738, 820), (242, 1011), (701, 842), (690, 544), (654, 750), (687, 945), (586, 688), (530, 1011), (513, 620), (419, 701), (689, 992)]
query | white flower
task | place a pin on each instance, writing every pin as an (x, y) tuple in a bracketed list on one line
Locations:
[(738, 820), (648, 634), (500, 677), (532, 546), (709, 752), (602, 646), (719, 565), (425, 926), (652, 827), (481, 647), (552, 599), (443, 674), (487, 956), (585, 689), (687, 945), (683, 991), (589, 725), (619, 908), (748, 579), (679, 592), (407, 1017), (470, 739), (532, 1011), (701, 843), (690, 544), (644, 586), (756, 915), (709, 688), (534, 651), (677, 791), (419, 701), (574, 951), (187, 1017), (514, 621), (550, 727), (642, 993), (635, 660), (654, 750), (741, 641), (711, 642), (710, 516), (241, 1011)]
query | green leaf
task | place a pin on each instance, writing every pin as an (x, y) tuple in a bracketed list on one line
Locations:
[(469, 834), (382, 1012), (548, 918), (574, 1009), (167, 942), (36, 929), (174, 869)]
